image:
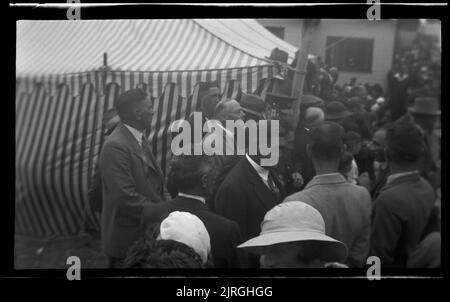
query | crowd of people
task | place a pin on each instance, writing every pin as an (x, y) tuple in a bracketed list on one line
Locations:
[(352, 181)]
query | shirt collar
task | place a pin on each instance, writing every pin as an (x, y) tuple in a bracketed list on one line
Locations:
[(136, 133), (262, 172), (395, 176), (200, 198), (329, 178)]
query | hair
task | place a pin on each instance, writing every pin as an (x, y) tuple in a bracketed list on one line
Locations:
[(404, 143), (204, 90), (148, 252), (311, 250), (327, 141), (186, 170), (352, 137), (125, 103), (345, 163)]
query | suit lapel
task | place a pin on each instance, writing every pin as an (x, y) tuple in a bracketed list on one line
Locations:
[(147, 159), (260, 189)]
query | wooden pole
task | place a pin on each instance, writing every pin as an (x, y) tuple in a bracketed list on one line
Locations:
[(308, 27)]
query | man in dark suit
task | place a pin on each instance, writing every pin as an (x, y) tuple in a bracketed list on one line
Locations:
[(247, 193), (131, 177), (402, 210), (195, 176)]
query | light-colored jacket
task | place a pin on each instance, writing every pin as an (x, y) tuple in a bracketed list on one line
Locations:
[(346, 210)]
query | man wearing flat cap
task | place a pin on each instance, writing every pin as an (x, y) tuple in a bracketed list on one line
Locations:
[(425, 113), (403, 209), (131, 177)]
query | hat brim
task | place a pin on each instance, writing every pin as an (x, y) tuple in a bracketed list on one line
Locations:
[(333, 250), (337, 116), (413, 110), (246, 110)]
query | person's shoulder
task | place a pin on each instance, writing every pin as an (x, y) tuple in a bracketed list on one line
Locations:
[(235, 176), (298, 196), (360, 190), (224, 223)]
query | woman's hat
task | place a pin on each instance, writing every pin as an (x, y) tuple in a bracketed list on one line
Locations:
[(187, 228), (294, 221)]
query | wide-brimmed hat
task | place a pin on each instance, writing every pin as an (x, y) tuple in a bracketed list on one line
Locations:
[(425, 106), (336, 110), (309, 100), (253, 104), (295, 221)]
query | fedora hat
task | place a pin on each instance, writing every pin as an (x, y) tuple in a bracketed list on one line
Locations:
[(296, 221), (253, 104), (309, 100), (336, 110), (425, 106)]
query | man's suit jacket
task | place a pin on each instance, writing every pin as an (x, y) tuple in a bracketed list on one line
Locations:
[(224, 233), (243, 197), (131, 178), (345, 209), (400, 215)]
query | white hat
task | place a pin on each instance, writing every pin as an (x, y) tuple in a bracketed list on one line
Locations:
[(188, 229), (296, 221)]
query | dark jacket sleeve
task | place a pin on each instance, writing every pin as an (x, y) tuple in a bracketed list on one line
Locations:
[(386, 230), (231, 204), (239, 257)]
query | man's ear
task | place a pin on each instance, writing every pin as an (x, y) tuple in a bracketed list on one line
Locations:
[(204, 181), (137, 112)]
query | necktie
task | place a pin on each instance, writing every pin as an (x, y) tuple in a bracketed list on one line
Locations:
[(275, 190)]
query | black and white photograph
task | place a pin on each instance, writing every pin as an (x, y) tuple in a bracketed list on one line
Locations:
[(228, 143)]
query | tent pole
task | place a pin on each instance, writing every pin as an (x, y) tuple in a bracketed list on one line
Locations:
[(302, 61)]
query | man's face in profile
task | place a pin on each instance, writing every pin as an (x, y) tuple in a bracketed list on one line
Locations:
[(210, 100), (145, 112)]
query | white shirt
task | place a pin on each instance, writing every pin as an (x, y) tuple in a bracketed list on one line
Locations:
[(262, 172), (136, 133), (202, 199), (352, 175)]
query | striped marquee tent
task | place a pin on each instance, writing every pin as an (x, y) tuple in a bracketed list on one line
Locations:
[(63, 88)]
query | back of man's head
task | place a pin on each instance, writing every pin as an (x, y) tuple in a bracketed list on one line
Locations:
[(404, 143), (327, 141), (125, 103), (187, 170)]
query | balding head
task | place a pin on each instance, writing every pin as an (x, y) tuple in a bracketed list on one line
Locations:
[(228, 109)]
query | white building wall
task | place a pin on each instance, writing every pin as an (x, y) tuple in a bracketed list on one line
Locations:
[(291, 27), (383, 33)]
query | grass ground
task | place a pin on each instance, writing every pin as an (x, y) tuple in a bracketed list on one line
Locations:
[(52, 252)]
